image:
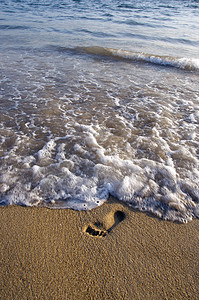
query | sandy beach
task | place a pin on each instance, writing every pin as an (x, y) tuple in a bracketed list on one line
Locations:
[(111, 252)]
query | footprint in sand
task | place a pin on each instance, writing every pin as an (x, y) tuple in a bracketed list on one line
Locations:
[(110, 221)]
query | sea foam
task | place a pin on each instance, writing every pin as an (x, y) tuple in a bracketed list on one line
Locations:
[(85, 129)]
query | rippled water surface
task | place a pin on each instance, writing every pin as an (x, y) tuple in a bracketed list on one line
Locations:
[(100, 98)]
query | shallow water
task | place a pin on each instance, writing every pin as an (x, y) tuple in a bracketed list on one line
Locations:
[(97, 100)]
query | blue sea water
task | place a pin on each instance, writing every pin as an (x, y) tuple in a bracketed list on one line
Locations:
[(100, 98)]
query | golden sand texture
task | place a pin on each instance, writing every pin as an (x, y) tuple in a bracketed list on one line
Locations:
[(111, 252)]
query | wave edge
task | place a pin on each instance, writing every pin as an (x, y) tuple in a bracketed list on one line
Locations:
[(189, 64)]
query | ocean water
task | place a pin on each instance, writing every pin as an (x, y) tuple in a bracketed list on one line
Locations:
[(100, 98)]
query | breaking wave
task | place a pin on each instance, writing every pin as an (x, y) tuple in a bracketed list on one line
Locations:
[(184, 63)]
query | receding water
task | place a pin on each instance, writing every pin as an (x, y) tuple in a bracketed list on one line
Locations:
[(100, 98)]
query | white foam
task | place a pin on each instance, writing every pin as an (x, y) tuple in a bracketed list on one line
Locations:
[(182, 63), (113, 129), (146, 184), (36, 171), (46, 151), (4, 187)]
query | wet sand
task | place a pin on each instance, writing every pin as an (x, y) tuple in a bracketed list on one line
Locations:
[(111, 252)]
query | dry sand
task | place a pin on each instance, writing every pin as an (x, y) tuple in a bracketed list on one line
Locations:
[(47, 254)]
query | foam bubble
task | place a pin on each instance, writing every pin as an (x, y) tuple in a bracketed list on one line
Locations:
[(46, 152)]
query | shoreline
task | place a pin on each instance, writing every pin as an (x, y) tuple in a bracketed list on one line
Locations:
[(110, 252)]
